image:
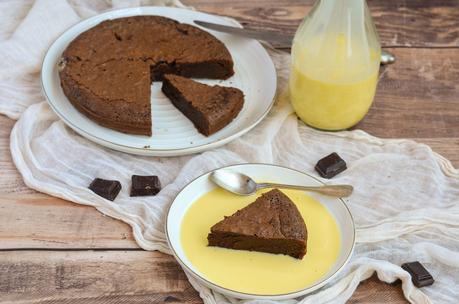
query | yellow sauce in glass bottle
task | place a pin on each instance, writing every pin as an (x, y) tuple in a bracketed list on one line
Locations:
[(335, 65)]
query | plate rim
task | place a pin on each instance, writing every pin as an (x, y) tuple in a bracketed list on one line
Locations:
[(151, 151), (246, 295)]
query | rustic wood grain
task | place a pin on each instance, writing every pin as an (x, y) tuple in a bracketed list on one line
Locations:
[(447, 147), (374, 292), (10, 180), (41, 221), (93, 277), (417, 96), (408, 23)]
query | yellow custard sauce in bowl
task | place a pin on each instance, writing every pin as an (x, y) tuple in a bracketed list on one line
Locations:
[(256, 272), (256, 275)]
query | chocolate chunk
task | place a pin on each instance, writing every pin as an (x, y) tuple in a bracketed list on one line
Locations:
[(108, 189), (330, 165), (419, 275), (145, 185)]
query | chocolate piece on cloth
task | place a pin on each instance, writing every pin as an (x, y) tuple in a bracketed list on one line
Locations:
[(145, 185), (330, 165), (419, 275), (108, 189)]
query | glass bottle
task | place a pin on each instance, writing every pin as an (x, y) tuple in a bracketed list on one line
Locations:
[(335, 64)]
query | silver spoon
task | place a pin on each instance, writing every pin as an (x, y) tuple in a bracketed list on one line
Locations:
[(242, 184)]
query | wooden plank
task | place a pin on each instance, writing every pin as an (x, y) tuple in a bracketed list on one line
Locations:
[(376, 292), (117, 277), (41, 221), (93, 277), (10, 180), (417, 23), (447, 147), (417, 97)]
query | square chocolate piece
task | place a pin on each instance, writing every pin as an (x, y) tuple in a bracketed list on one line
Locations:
[(330, 165), (419, 275), (145, 185), (108, 189)]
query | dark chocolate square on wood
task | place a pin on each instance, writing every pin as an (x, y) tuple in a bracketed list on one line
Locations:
[(330, 165), (145, 185), (108, 189)]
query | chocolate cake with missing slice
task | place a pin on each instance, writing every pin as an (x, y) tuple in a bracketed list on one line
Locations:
[(210, 108), (271, 224), (107, 70)]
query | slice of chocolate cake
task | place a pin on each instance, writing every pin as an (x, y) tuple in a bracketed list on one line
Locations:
[(210, 108), (271, 224)]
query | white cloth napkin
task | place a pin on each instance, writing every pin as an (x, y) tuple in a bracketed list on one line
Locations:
[(406, 203)]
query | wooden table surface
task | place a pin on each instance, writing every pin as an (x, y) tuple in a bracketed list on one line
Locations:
[(54, 251)]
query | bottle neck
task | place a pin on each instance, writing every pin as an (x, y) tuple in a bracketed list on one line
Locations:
[(337, 41), (341, 15)]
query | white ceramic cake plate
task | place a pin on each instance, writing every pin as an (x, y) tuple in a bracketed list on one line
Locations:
[(270, 173), (173, 133)]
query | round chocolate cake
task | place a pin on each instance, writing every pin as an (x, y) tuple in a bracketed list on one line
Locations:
[(106, 71)]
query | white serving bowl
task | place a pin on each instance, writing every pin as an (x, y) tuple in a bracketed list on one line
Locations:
[(273, 173)]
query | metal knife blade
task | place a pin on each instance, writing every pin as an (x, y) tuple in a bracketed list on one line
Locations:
[(277, 39)]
